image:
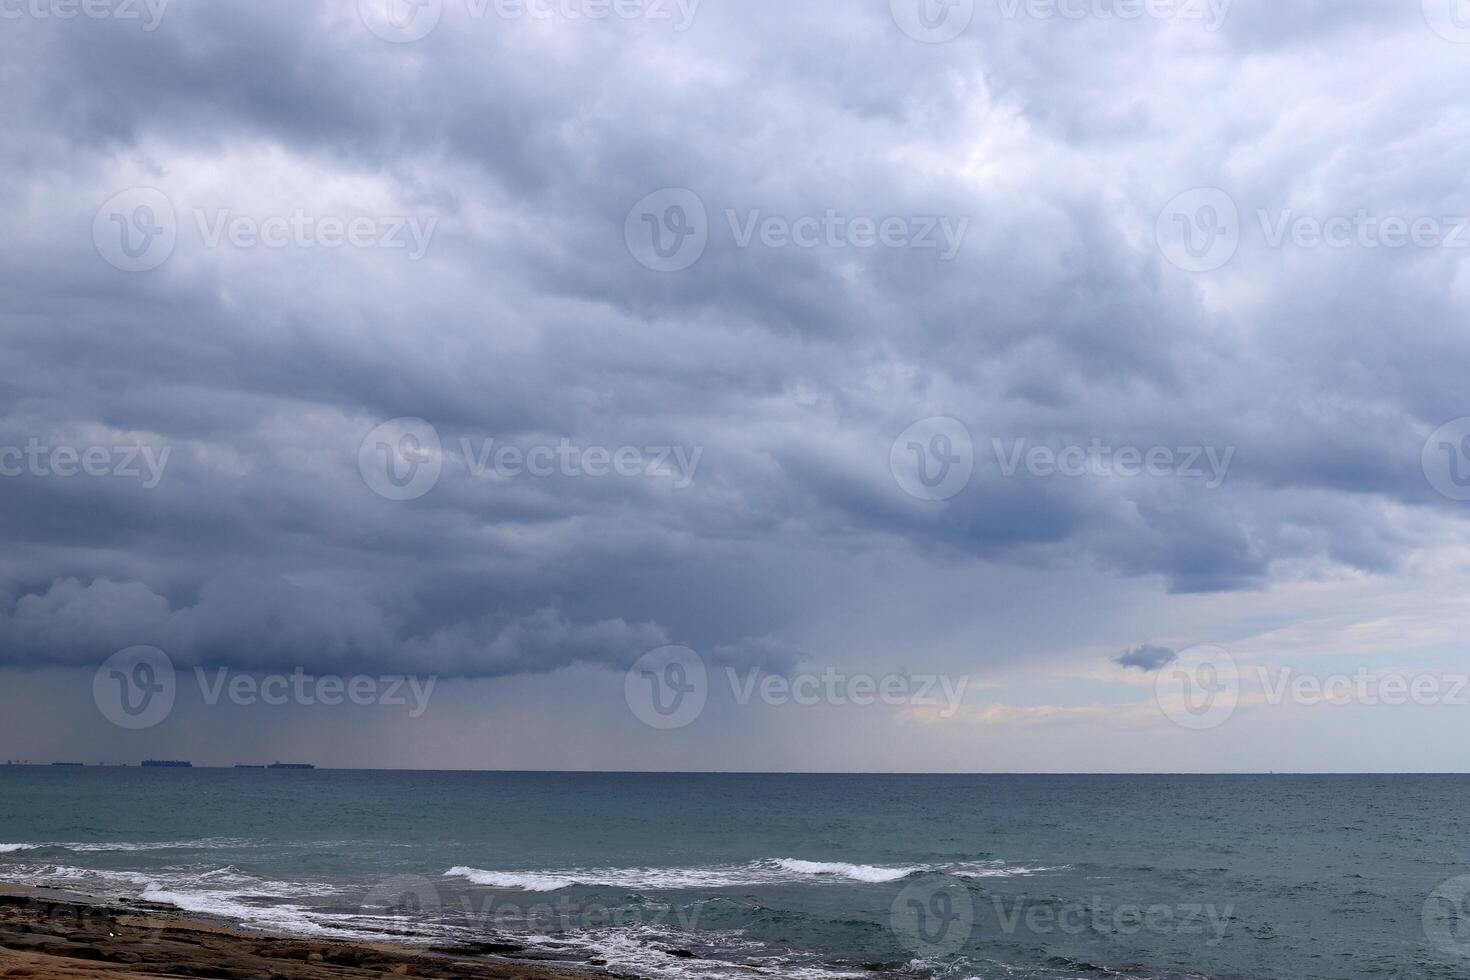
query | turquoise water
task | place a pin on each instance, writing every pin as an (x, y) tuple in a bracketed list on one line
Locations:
[(678, 876)]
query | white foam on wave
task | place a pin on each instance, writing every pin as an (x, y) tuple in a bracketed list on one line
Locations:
[(103, 882), (225, 906), (511, 879), (288, 918), (650, 879), (776, 871), (228, 871), (227, 893), (89, 847), (255, 887), (998, 869), (207, 844), (173, 889), (130, 884), (644, 951), (856, 872)]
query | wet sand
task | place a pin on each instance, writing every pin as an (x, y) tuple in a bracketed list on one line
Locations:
[(47, 935)]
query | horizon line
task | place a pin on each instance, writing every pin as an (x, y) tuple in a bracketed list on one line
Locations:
[(735, 772)]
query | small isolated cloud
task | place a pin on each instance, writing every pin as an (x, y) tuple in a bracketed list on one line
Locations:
[(1146, 657)]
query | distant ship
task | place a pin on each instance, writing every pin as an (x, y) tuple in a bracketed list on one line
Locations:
[(166, 764), (289, 765), (243, 766), (69, 765)]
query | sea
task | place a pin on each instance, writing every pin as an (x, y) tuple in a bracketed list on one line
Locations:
[(790, 876)]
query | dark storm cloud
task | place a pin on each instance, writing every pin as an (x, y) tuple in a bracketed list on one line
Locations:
[(792, 370), (1146, 657)]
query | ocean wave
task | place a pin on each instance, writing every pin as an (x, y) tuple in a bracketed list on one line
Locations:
[(99, 881), (659, 952), (173, 845), (857, 872), (254, 886), (511, 879), (995, 869), (646, 952), (229, 907), (244, 900), (277, 914), (90, 847), (775, 871), (230, 895), (108, 883)]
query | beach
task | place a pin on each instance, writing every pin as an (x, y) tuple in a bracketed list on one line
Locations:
[(47, 935)]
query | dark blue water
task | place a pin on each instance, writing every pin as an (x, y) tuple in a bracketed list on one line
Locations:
[(1287, 878)]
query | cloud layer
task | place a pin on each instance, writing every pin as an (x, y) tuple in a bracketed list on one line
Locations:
[(1058, 325)]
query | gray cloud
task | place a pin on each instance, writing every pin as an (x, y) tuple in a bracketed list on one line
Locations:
[(1146, 657)]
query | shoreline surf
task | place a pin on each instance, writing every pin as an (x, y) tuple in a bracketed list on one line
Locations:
[(53, 935)]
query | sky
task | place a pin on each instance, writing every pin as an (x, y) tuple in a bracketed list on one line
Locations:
[(896, 385)]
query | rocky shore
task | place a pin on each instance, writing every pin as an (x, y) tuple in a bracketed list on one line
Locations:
[(51, 936)]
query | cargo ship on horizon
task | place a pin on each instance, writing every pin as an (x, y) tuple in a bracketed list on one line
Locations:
[(166, 764)]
